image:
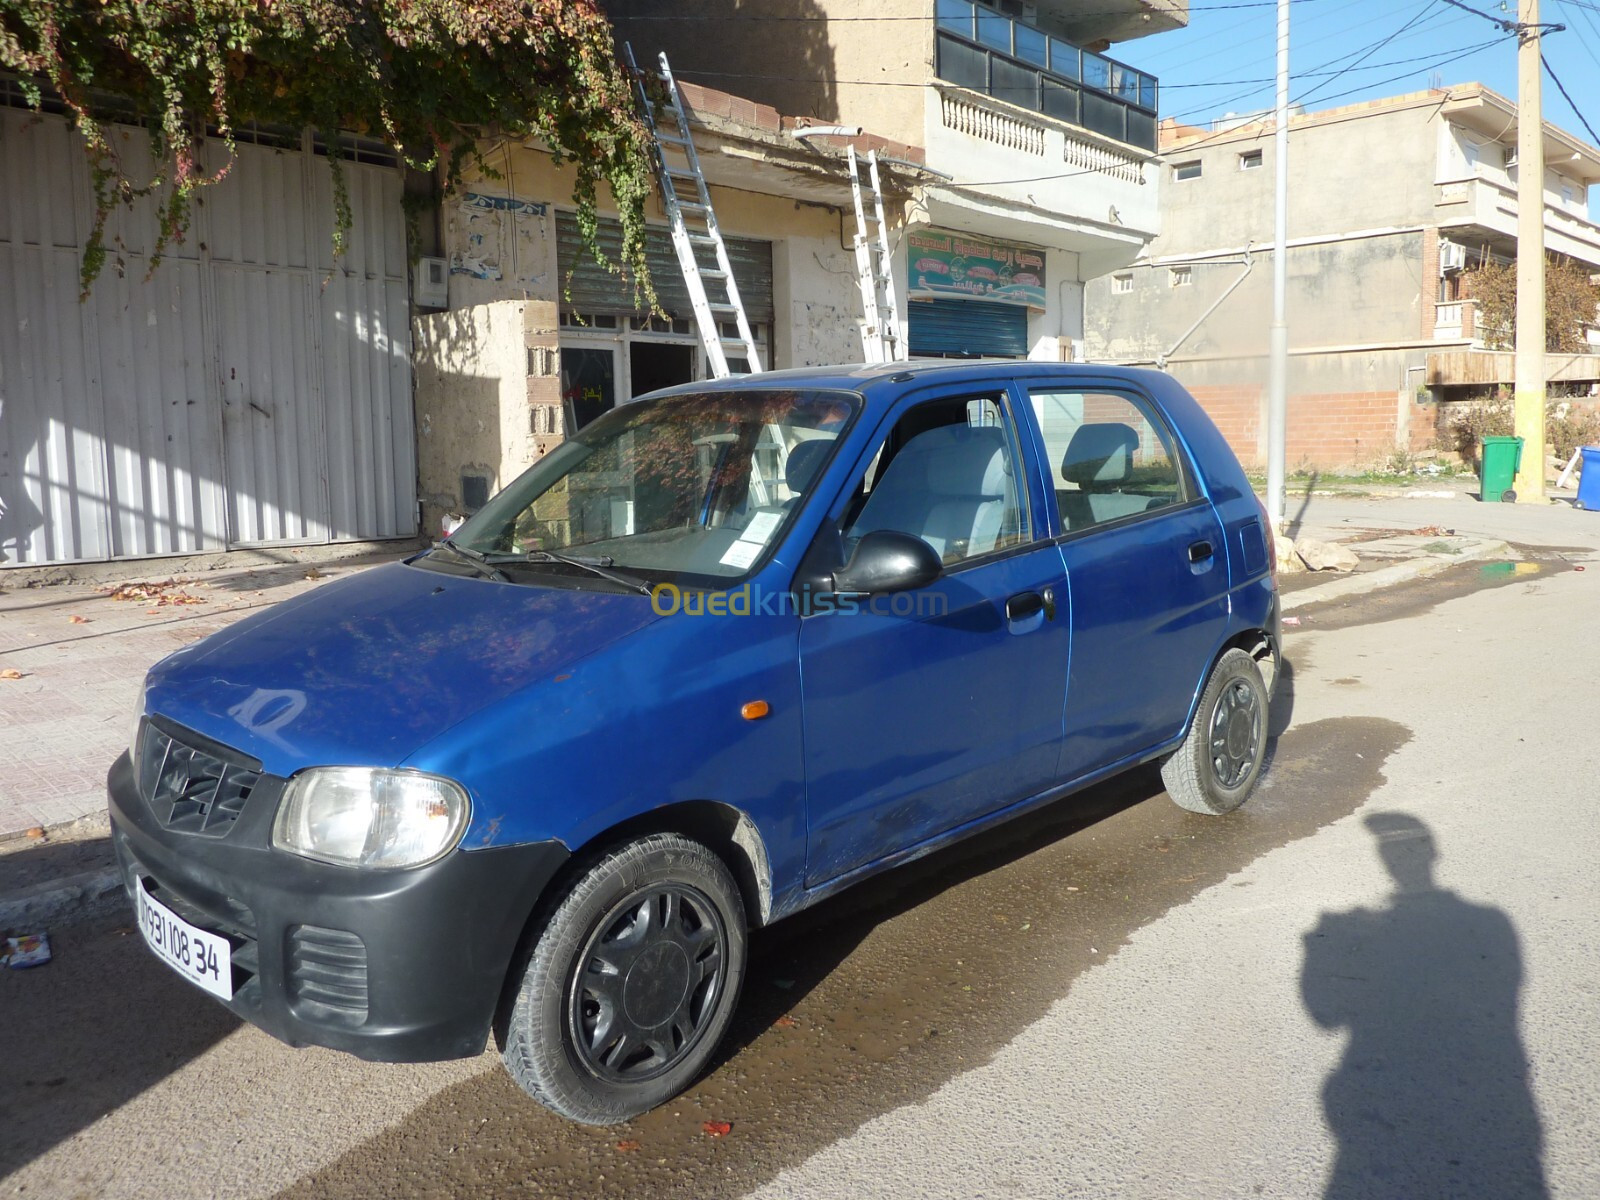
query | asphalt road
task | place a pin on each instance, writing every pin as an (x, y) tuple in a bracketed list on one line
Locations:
[(1377, 979)]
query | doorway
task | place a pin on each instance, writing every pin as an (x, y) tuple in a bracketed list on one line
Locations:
[(654, 365)]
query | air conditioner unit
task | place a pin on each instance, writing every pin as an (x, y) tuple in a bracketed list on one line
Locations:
[(1452, 257), (1508, 157), (430, 283)]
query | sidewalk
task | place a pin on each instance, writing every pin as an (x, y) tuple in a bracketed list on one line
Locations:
[(81, 656)]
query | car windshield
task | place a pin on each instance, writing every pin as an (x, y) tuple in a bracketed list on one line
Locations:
[(692, 489)]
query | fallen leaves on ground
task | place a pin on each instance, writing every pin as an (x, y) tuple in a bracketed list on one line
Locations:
[(785, 1022), (77, 620), (1431, 531), (10, 673), (717, 1128), (36, 833), (167, 591), (627, 1145)]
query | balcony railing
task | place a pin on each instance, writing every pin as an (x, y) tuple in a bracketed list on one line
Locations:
[(988, 52)]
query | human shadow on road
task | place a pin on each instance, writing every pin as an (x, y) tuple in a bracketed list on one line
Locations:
[(1432, 1096)]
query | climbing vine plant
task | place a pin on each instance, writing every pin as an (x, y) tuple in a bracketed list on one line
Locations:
[(435, 79)]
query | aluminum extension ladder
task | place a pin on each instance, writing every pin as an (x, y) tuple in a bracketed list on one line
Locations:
[(881, 335), (691, 241)]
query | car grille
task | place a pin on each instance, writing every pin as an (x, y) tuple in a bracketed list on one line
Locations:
[(191, 790), (328, 972)]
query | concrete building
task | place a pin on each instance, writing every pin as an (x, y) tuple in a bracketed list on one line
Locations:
[(1042, 144), (1390, 202), (257, 392), (537, 338), (1018, 165)]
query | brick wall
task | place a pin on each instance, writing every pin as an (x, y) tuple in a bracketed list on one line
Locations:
[(1340, 429), (1424, 426), (1326, 431), (1237, 412)]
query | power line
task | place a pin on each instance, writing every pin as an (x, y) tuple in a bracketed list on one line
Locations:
[(1421, 14), (1215, 83), (1555, 79), (831, 20), (1377, 66), (1505, 25)]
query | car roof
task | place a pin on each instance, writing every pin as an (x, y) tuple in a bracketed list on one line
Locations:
[(883, 382)]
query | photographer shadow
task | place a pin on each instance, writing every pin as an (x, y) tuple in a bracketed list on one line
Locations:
[(1432, 1096)]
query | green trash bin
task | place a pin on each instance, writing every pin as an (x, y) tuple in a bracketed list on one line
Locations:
[(1500, 456)]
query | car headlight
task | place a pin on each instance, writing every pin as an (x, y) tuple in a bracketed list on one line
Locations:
[(365, 817)]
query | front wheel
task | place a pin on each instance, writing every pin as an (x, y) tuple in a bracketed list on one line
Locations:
[(631, 984), (1219, 763)]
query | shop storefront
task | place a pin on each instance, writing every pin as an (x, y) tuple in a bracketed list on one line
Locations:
[(612, 348), (970, 296)]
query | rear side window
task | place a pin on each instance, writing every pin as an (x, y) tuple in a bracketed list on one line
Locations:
[(1110, 457)]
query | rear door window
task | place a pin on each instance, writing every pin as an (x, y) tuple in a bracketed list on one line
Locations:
[(1111, 458)]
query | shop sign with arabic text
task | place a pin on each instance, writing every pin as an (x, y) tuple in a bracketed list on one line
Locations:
[(945, 264)]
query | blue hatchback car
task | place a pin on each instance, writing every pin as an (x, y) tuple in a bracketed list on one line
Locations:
[(727, 650)]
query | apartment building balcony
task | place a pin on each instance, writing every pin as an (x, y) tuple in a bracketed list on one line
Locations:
[(1455, 320), (1481, 213), (1042, 140), (981, 49), (1085, 21)]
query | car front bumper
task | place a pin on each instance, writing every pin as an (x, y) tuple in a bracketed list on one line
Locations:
[(393, 966)]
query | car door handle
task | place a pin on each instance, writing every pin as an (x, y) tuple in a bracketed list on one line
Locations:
[(1200, 551), (1025, 604)]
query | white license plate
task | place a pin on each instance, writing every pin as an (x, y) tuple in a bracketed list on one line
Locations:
[(195, 954)]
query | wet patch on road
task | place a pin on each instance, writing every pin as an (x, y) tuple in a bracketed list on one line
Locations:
[(875, 998), (1530, 566)]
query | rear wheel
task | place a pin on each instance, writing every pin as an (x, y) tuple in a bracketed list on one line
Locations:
[(1217, 766), (631, 984)]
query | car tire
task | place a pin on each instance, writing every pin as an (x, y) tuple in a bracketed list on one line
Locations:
[(631, 983), (1219, 763)]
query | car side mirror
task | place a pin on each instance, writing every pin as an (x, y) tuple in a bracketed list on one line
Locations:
[(888, 561)]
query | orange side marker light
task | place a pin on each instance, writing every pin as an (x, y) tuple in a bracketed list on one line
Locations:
[(755, 710)]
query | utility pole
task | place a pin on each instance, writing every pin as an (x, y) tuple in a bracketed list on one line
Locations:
[(1530, 368), (1278, 364)]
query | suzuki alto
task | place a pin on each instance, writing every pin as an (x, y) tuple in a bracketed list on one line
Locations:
[(726, 651)]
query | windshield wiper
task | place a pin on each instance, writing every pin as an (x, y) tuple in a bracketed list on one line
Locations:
[(597, 563), (476, 557)]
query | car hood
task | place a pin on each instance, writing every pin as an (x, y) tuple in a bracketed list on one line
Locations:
[(365, 670)]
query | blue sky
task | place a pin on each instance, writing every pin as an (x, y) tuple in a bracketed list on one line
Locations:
[(1211, 67)]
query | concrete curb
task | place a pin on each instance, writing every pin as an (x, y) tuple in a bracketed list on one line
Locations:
[(28, 910), (1404, 572)]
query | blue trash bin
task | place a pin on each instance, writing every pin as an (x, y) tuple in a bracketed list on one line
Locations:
[(1589, 482)]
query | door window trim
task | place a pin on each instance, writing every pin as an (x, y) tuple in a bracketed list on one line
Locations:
[(1036, 533), (1191, 493)]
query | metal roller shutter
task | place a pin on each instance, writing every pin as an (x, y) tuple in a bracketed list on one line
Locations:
[(969, 328), (594, 289)]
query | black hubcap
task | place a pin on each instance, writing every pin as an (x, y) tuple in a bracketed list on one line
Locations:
[(1235, 733), (647, 983)]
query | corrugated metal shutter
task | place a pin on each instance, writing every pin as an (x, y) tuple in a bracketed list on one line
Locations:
[(968, 327), (594, 289), (237, 396)]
